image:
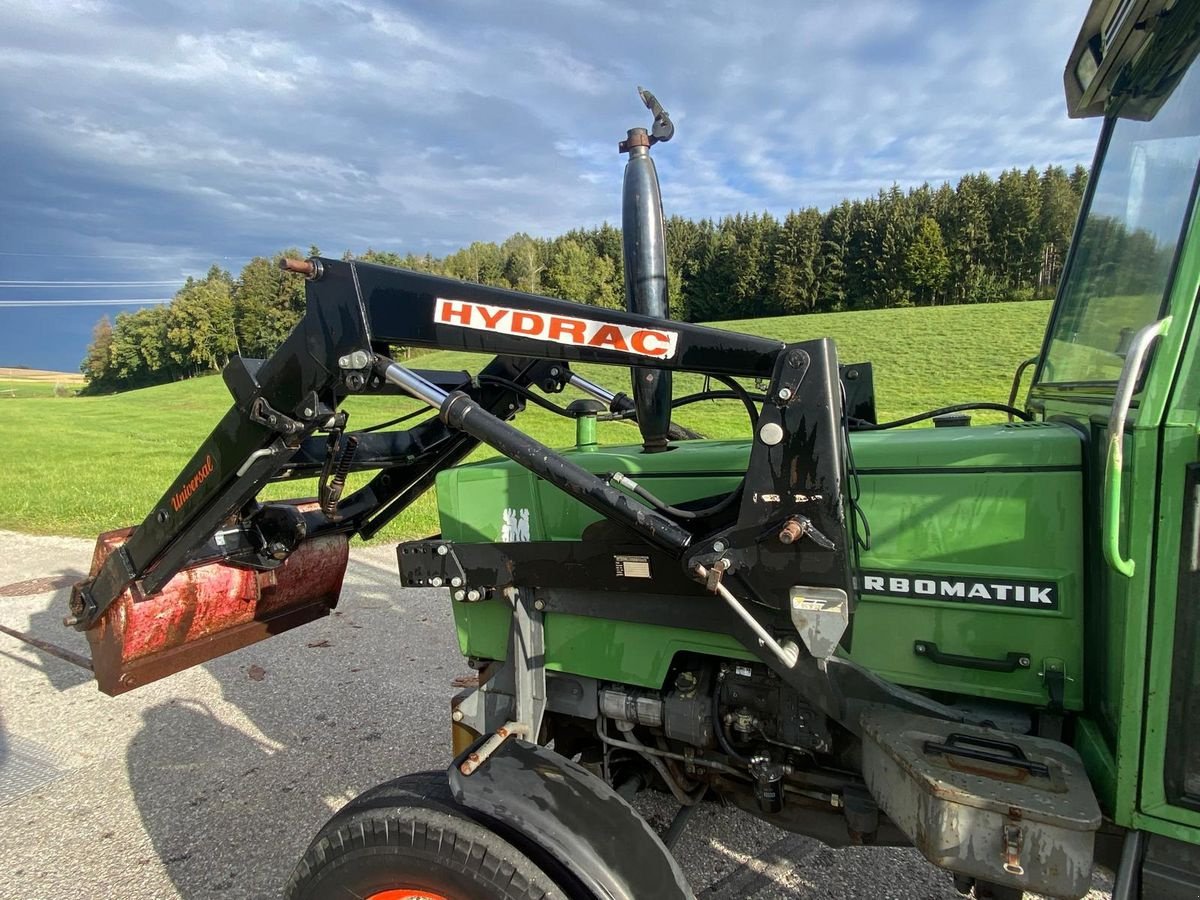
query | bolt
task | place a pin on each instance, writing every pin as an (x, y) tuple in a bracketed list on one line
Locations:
[(473, 595), (460, 595), (554, 372), (792, 530), (719, 546), (308, 411), (920, 649), (771, 434), (442, 550), (435, 581), (539, 604), (70, 621), (457, 715), (1023, 662), (784, 394), (359, 359), (455, 581), (162, 516)]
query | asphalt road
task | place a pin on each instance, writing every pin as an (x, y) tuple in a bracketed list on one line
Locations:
[(211, 783)]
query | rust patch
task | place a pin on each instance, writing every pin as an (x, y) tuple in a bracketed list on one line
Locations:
[(37, 585), (209, 610)]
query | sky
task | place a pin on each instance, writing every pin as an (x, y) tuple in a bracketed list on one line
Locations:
[(144, 141)]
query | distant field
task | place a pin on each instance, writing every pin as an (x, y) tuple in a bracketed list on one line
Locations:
[(83, 465), (19, 373), (17, 383)]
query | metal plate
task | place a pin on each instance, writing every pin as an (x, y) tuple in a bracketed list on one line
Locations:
[(24, 767)]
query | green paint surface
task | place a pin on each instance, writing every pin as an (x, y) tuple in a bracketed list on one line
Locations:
[(999, 501)]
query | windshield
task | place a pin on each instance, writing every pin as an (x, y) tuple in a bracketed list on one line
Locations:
[(1123, 256)]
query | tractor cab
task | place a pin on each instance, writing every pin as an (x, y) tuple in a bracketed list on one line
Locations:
[(1119, 364)]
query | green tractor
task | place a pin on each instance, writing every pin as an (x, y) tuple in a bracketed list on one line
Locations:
[(975, 639)]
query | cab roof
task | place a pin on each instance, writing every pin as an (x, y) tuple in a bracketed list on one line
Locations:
[(1129, 56)]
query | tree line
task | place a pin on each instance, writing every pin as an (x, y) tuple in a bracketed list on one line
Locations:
[(985, 240)]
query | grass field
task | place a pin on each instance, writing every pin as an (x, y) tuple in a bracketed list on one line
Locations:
[(82, 465)]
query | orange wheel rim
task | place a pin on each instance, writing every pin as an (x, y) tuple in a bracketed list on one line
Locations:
[(406, 894)]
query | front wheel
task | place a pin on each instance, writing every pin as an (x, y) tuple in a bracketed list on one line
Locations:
[(408, 840)]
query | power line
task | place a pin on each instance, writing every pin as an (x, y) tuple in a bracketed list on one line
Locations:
[(12, 283), (111, 256), (65, 303)]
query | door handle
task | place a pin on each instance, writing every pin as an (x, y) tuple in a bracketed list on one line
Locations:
[(1131, 373), (1012, 661)]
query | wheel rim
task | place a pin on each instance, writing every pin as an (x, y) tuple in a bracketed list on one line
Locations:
[(406, 894)]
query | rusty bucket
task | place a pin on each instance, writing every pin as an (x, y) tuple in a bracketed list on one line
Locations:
[(209, 610)]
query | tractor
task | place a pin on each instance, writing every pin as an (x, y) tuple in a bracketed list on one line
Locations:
[(976, 639)]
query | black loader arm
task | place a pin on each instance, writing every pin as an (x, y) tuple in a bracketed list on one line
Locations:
[(788, 524)]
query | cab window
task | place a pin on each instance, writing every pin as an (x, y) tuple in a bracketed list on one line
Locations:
[(1123, 257)]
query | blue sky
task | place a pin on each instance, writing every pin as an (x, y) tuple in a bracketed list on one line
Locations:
[(143, 141)]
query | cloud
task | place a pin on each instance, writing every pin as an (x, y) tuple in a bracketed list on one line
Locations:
[(423, 128)]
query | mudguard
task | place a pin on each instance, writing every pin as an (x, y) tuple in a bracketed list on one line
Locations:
[(574, 817)]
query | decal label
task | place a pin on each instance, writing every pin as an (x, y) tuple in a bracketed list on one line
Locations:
[(658, 343), (194, 482), (632, 566), (514, 526), (986, 591)]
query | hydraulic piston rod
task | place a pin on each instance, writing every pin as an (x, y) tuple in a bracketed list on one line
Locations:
[(462, 413), (599, 392)]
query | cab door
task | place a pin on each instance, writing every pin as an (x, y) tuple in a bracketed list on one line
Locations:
[(1169, 800), (1118, 363)]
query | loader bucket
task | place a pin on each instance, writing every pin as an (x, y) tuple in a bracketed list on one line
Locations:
[(208, 610)]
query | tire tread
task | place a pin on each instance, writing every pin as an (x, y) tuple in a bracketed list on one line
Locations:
[(417, 812)]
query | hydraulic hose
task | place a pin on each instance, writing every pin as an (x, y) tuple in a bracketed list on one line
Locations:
[(719, 726)]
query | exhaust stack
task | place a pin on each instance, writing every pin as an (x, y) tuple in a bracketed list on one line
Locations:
[(645, 253)]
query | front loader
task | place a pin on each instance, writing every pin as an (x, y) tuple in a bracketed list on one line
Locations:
[(975, 639)]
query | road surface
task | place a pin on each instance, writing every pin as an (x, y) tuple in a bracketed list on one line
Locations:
[(211, 783)]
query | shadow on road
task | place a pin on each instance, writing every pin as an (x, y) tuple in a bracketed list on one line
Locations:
[(231, 790), (46, 624)]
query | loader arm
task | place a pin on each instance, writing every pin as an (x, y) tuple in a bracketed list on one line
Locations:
[(787, 525)]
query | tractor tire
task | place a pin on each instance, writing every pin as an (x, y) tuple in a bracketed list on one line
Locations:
[(409, 839)]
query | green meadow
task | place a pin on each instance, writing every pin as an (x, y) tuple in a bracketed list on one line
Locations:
[(83, 465)]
